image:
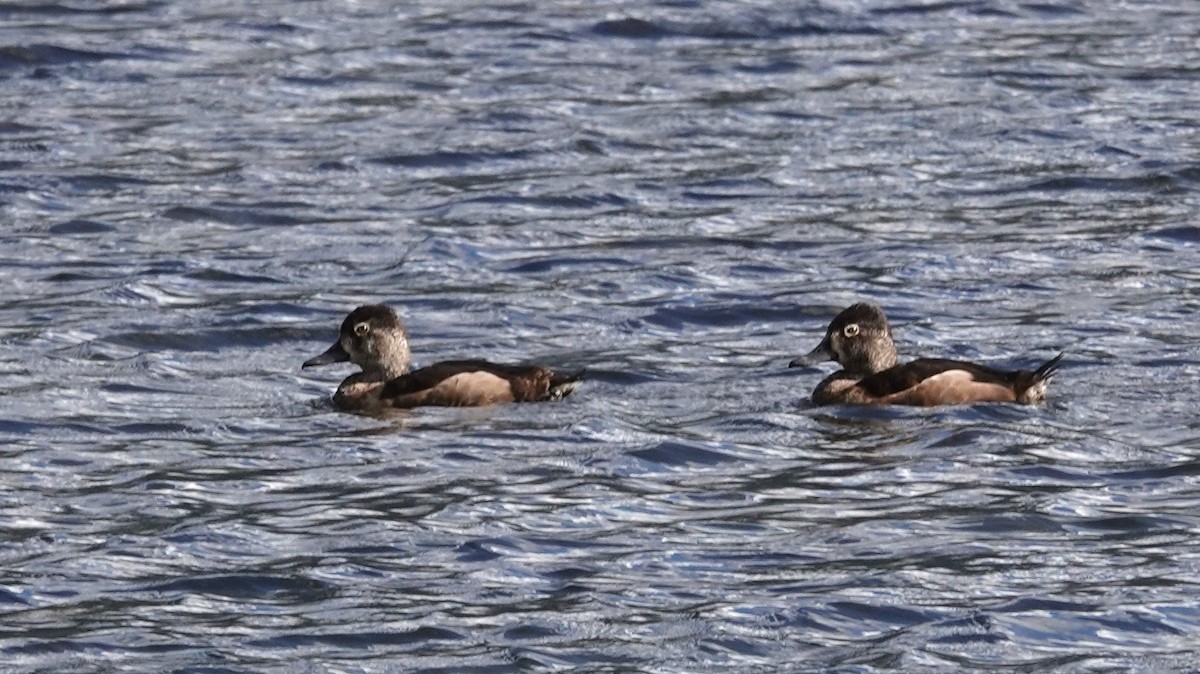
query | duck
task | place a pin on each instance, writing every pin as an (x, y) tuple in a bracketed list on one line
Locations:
[(860, 339), (374, 338)]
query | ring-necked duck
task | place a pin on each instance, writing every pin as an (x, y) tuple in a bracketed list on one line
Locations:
[(860, 340), (374, 338)]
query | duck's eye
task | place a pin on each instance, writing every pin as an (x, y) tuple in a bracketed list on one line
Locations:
[(850, 330), (362, 329)]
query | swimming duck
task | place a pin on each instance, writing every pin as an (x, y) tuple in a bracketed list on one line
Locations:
[(860, 340), (374, 338)]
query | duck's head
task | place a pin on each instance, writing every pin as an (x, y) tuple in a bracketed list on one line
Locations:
[(859, 339), (372, 337)]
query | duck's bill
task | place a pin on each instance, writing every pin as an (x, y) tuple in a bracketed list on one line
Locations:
[(334, 354), (823, 353)]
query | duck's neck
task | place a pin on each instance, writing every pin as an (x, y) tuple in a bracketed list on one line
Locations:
[(884, 358), (393, 358), (876, 360), (388, 369), (395, 369)]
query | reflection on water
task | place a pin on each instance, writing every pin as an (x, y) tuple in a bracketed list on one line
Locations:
[(676, 198)]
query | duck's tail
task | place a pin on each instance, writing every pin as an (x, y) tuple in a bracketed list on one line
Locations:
[(1031, 386), (563, 384), (1047, 370)]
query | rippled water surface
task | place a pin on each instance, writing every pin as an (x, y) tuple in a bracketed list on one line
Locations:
[(676, 196)]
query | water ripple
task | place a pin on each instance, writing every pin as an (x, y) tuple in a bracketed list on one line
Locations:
[(674, 198)]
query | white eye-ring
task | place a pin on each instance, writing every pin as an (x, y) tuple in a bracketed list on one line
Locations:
[(850, 330), (362, 329)]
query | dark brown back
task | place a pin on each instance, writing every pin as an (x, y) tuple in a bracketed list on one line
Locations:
[(470, 383), (908, 375)]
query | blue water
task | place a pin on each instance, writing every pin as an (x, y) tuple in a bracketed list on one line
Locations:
[(676, 196)]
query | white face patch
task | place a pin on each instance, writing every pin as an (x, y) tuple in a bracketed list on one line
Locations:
[(835, 345)]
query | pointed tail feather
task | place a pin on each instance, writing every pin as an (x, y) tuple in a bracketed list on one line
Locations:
[(1049, 368), (1031, 386)]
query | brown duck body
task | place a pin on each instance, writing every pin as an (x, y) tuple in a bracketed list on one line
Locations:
[(927, 382), (860, 339), (469, 383), (374, 338)]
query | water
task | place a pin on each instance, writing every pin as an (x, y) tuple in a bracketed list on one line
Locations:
[(676, 196)]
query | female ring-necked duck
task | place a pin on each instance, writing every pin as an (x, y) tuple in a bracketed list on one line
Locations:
[(860, 340), (374, 338)]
